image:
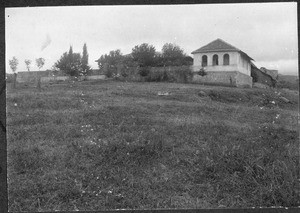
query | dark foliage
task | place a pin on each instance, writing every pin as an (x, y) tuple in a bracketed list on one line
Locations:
[(202, 72), (85, 68), (73, 64), (144, 55)]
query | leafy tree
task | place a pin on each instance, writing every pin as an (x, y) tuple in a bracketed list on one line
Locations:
[(110, 63), (188, 60), (69, 63), (75, 65), (144, 54), (172, 55), (85, 68), (70, 55), (62, 63), (128, 61), (13, 63), (40, 62), (170, 50), (28, 62), (112, 59)]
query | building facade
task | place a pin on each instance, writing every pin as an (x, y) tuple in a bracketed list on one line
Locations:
[(219, 59), (221, 56)]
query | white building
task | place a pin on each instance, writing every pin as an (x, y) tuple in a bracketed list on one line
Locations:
[(219, 56), (223, 64)]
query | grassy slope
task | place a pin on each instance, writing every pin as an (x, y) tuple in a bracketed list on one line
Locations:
[(108, 145), (288, 81), (289, 78)]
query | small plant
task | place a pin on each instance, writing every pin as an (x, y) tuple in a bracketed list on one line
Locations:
[(202, 72)]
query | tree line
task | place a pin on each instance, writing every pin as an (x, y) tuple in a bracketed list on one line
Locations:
[(70, 63), (143, 55)]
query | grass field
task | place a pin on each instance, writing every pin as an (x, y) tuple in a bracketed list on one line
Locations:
[(117, 145)]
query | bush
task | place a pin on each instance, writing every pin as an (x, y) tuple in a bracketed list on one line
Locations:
[(181, 74), (157, 75), (202, 72), (108, 73), (144, 71), (172, 74)]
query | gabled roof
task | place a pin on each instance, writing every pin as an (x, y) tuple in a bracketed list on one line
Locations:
[(219, 45)]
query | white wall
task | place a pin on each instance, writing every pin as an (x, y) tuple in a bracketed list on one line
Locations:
[(244, 65), (236, 62)]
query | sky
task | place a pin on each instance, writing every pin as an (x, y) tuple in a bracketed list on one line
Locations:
[(267, 32)]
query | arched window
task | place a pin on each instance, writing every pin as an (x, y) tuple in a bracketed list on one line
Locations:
[(226, 59), (215, 60), (204, 61)]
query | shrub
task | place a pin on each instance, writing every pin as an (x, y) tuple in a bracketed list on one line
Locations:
[(171, 74), (124, 73), (182, 74), (144, 71), (157, 75), (202, 72), (108, 72)]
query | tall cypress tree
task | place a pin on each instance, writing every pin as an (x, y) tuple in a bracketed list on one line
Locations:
[(70, 55), (85, 60)]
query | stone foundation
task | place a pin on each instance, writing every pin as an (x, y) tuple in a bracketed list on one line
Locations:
[(231, 78)]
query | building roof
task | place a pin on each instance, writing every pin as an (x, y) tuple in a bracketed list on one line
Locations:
[(219, 45)]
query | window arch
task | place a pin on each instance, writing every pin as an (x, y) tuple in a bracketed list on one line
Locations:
[(226, 59), (215, 60), (204, 61)]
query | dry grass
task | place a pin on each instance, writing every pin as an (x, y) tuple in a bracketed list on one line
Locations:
[(111, 145)]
